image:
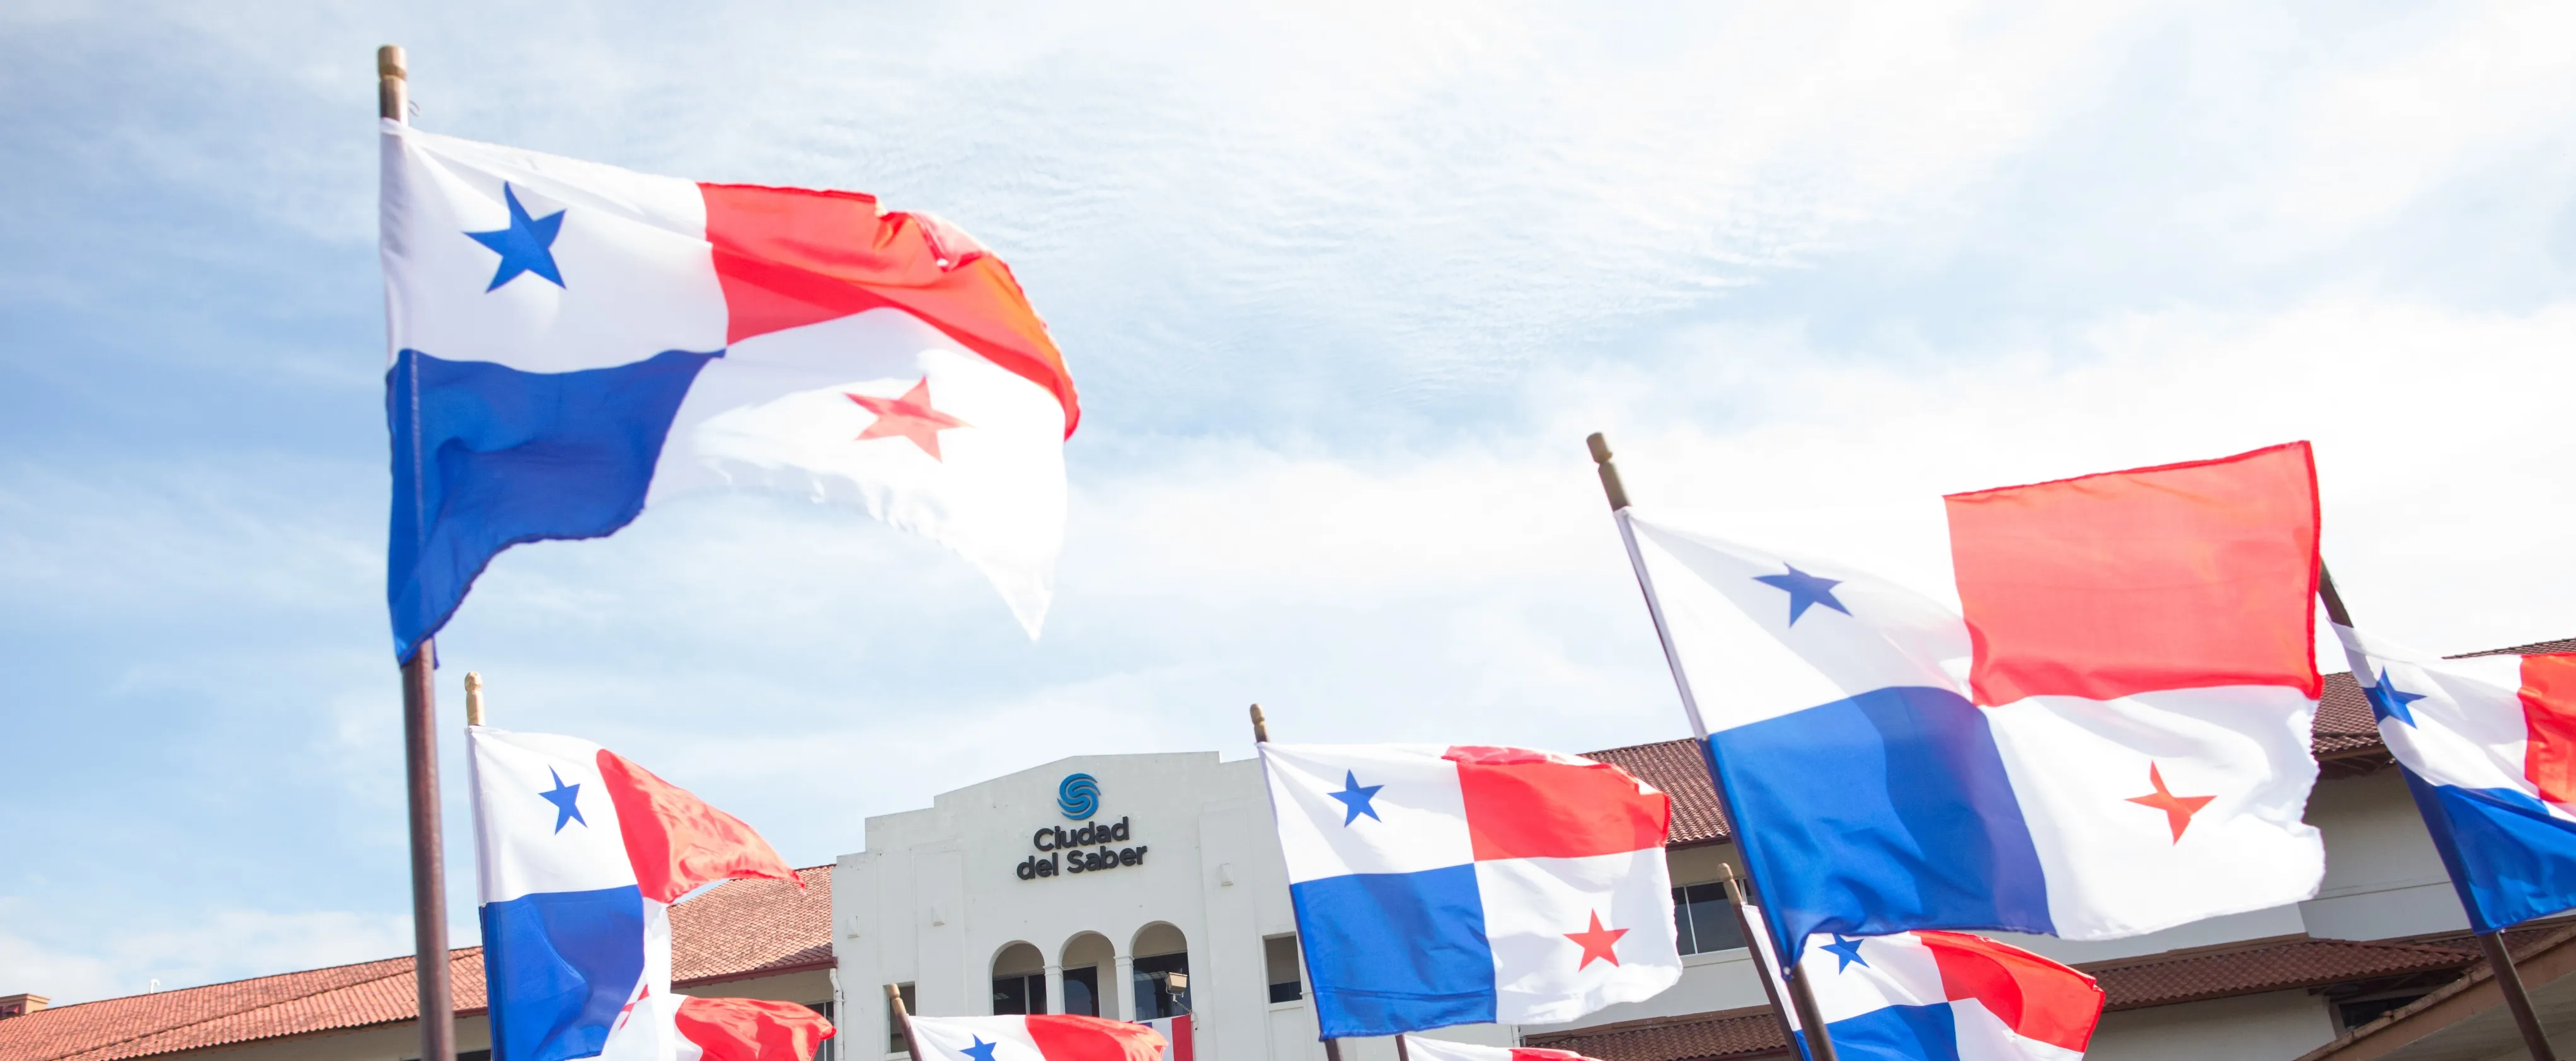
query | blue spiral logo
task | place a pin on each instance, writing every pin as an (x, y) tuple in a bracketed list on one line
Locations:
[(1078, 796)]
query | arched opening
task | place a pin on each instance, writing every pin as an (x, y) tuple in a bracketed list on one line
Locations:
[(1161, 968), (1090, 966), (1019, 980)]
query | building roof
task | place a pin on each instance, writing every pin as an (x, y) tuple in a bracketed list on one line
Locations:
[(1728, 1034), (2248, 968), (1676, 767), (744, 929), (2465, 1017)]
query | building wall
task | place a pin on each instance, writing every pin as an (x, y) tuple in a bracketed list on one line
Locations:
[(2269, 1027), (936, 896), (2383, 877)]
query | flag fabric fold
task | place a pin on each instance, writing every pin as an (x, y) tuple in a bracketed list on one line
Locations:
[(1437, 885), (572, 342), (2112, 739), (580, 855), (1050, 1037), (2488, 744)]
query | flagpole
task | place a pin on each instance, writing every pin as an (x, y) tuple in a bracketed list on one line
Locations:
[(894, 998), (1757, 944), (2499, 959), (430, 970), (1820, 1044), (1332, 1047)]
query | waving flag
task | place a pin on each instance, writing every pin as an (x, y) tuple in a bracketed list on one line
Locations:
[(2489, 748), (2111, 741), (1055, 1037), (1453, 885), (581, 855), (571, 342), (1442, 1050), (1946, 996)]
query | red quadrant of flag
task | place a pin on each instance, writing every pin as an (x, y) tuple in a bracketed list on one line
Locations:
[(788, 257), (2549, 715), (1525, 804), (2185, 576)]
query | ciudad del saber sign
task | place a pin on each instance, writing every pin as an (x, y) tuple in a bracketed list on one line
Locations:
[(1087, 848)]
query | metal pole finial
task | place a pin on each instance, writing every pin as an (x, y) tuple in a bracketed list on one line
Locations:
[(473, 698)]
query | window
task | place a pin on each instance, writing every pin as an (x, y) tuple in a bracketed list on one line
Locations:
[(1704, 919), (1082, 991), (895, 1043), (1280, 954), (829, 1047), (2357, 1013), (1019, 994), (1162, 986)]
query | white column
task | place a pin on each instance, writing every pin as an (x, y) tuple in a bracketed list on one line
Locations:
[(1054, 990), (1126, 988)]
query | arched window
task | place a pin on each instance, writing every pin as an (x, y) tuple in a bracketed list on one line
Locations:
[(1162, 972), (1019, 980), (1089, 965)]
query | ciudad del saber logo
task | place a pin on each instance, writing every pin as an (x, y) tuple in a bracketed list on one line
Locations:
[(1086, 848)]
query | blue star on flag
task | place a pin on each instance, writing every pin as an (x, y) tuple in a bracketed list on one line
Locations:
[(562, 797), (1355, 798), (527, 246), (1846, 951), (1804, 591), (2388, 701), (981, 1051)]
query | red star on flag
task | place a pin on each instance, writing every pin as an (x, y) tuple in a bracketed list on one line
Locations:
[(1596, 942), (2178, 809), (909, 416)]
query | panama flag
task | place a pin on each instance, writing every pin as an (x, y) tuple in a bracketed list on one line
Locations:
[(582, 854), (2112, 740), (1439, 885), (1177, 1042), (1423, 1049), (2489, 748), (572, 342), (1051, 1037), (1945, 996)]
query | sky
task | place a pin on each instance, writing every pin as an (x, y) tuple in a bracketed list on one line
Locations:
[(1344, 286)]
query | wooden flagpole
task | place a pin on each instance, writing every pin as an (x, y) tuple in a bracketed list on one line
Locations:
[(2499, 959), (437, 993), (1820, 1044), (1332, 1047), (894, 999)]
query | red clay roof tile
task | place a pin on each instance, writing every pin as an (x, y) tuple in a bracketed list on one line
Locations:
[(740, 930)]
